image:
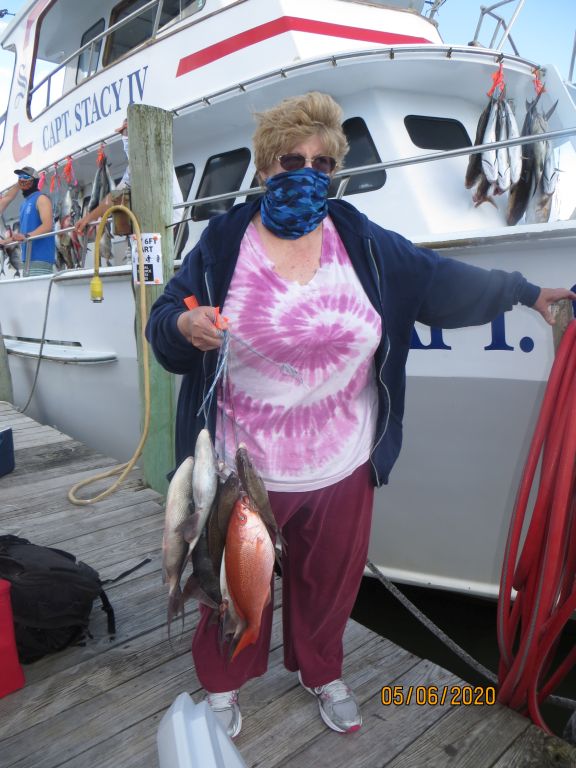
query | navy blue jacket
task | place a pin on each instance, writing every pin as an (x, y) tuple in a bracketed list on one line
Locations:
[(403, 283)]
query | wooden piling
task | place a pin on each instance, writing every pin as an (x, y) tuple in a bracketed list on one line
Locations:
[(6, 391), (564, 314), (151, 170)]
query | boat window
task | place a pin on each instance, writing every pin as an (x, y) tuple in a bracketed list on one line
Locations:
[(436, 132), (55, 48), (185, 175), (362, 152), (7, 73), (88, 59), (141, 27), (223, 173)]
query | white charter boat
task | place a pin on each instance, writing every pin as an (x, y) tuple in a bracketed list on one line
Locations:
[(472, 394)]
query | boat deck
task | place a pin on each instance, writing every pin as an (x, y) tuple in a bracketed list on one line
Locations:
[(99, 705)]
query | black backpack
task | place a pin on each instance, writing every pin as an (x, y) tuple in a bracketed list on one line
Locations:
[(51, 595)]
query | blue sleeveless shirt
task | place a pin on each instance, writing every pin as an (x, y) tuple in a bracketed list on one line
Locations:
[(44, 248)]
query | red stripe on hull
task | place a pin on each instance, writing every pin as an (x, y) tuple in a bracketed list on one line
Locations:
[(288, 24)]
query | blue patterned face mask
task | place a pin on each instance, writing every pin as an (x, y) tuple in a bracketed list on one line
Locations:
[(295, 202)]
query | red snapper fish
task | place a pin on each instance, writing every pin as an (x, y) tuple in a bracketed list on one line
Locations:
[(249, 562)]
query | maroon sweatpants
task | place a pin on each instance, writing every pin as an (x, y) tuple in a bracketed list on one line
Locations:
[(326, 533)]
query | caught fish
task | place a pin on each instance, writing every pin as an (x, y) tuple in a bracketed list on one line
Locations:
[(174, 546), (474, 168), (249, 561), (10, 253), (515, 152), (256, 490), (544, 172), (231, 624), (481, 194), (203, 584), (526, 196), (549, 172), (102, 185), (68, 248), (217, 525), (204, 486), (489, 164), (502, 156)]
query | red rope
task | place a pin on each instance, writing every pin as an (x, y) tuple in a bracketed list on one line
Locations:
[(544, 575), (538, 84), (497, 81)]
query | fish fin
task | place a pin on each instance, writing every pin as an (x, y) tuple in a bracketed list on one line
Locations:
[(193, 589), (548, 114), (249, 636), (189, 528), (175, 608)]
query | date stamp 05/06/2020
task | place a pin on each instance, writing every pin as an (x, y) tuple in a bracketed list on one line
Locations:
[(432, 695)]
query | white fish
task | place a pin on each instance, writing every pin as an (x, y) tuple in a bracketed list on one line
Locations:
[(174, 547), (515, 152), (204, 487), (502, 156), (489, 162), (549, 171)]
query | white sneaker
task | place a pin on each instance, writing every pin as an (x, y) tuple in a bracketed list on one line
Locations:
[(338, 706), (225, 707)]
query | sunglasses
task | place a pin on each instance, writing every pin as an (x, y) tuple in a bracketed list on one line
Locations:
[(24, 176), (294, 162)]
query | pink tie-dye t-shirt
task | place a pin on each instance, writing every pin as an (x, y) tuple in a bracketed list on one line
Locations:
[(312, 431)]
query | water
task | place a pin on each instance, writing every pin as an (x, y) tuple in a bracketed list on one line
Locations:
[(469, 621)]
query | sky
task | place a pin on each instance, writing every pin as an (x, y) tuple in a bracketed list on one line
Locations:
[(544, 32)]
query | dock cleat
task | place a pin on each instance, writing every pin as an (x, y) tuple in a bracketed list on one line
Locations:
[(338, 706), (225, 707)]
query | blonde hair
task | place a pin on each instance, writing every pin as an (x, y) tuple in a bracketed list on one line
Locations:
[(294, 120)]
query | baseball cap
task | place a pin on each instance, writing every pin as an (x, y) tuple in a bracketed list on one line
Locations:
[(27, 169)]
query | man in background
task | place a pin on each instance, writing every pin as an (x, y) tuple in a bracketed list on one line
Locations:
[(35, 219)]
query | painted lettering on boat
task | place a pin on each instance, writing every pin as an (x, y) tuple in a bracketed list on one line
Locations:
[(497, 343), (112, 97)]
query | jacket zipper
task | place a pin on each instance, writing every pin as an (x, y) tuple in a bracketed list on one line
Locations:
[(387, 344)]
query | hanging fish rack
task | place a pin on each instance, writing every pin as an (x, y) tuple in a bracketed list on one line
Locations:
[(387, 164)]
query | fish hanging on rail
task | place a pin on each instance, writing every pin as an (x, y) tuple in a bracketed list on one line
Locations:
[(9, 253), (532, 194), (68, 246), (494, 170), (102, 185)]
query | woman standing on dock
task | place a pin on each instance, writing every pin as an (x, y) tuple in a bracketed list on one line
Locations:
[(314, 284)]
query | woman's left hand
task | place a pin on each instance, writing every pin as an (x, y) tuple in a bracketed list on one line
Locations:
[(547, 297)]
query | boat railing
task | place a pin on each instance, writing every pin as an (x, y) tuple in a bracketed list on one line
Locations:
[(500, 25), (346, 174)]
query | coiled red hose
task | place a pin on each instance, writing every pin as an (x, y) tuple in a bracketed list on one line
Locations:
[(543, 576)]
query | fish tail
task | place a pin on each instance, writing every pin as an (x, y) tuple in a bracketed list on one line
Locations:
[(249, 636), (175, 608)]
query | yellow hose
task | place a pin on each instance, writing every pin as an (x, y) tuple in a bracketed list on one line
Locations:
[(128, 466)]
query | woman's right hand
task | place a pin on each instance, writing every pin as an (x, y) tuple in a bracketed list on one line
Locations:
[(198, 327)]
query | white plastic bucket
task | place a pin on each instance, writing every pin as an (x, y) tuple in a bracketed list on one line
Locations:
[(190, 736)]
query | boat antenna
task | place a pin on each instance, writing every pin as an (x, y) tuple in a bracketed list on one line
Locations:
[(436, 5), (6, 12)]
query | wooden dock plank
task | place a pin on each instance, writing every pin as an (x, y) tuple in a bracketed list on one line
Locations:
[(100, 704), (468, 737)]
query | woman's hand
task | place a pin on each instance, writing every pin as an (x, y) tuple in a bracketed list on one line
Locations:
[(548, 296), (198, 327)]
